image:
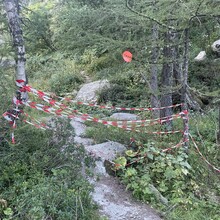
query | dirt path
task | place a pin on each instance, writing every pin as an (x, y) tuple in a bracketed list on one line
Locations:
[(113, 200)]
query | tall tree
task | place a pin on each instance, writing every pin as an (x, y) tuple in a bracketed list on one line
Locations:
[(154, 69), (167, 76), (154, 72), (14, 22)]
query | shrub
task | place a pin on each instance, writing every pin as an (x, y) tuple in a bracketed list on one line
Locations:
[(54, 73), (38, 181)]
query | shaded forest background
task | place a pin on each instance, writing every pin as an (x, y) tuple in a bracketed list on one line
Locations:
[(70, 41)]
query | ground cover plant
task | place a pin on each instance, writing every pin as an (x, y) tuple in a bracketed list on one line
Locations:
[(68, 42), (186, 187), (40, 177)]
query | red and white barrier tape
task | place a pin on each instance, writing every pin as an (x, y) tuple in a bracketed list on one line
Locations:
[(13, 138), (35, 123), (44, 95), (119, 124), (202, 156), (11, 117), (63, 111), (69, 114), (63, 108)]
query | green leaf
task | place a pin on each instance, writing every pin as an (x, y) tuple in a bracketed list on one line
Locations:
[(169, 173), (8, 212), (150, 156), (185, 164), (120, 162), (130, 172), (130, 153), (163, 187), (185, 171), (179, 158)]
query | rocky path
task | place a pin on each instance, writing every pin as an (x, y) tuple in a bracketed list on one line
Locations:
[(115, 203)]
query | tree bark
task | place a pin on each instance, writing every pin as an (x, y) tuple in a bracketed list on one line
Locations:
[(218, 133), (154, 73), (177, 72), (184, 93), (12, 11), (166, 78)]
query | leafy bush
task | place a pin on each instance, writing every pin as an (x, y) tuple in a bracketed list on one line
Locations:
[(184, 180), (167, 172), (127, 89)]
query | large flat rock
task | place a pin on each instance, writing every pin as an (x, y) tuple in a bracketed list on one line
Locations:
[(106, 151)]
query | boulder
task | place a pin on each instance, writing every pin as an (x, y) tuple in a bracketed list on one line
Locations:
[(124, 117), (201, 56), (216, 46), (106, 151), (89, 91)]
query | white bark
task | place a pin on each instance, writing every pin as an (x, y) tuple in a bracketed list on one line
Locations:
[(14, 22)]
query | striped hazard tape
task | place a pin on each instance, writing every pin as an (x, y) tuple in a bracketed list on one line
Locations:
[(58, 108), (46, 96), (129, 126)]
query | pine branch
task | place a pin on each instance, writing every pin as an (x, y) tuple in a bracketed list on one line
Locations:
[(148, 17)]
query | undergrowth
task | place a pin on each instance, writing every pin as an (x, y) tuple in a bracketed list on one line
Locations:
[(40, 177), (186, 187)]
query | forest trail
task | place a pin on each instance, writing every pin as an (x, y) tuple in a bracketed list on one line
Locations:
[(115, 203)]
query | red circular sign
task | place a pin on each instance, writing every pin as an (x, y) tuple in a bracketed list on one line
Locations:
[(127, 56)]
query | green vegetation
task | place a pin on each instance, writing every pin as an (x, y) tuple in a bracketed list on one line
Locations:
[(66, 42), (186, 185), (38, 181)]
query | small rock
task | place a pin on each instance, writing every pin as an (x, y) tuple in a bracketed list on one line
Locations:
[(88, 92), (79, 127), (83, 141), (124, 116), (201, 56)]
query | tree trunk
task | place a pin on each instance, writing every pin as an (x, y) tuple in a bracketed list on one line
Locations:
[(185, 68), (166, 78), (154, 73), (218, 134), (12, 11), (177, 72), (184, 93)]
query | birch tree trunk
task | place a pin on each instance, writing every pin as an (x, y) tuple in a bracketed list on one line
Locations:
[(12, 10), (184, 91)]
